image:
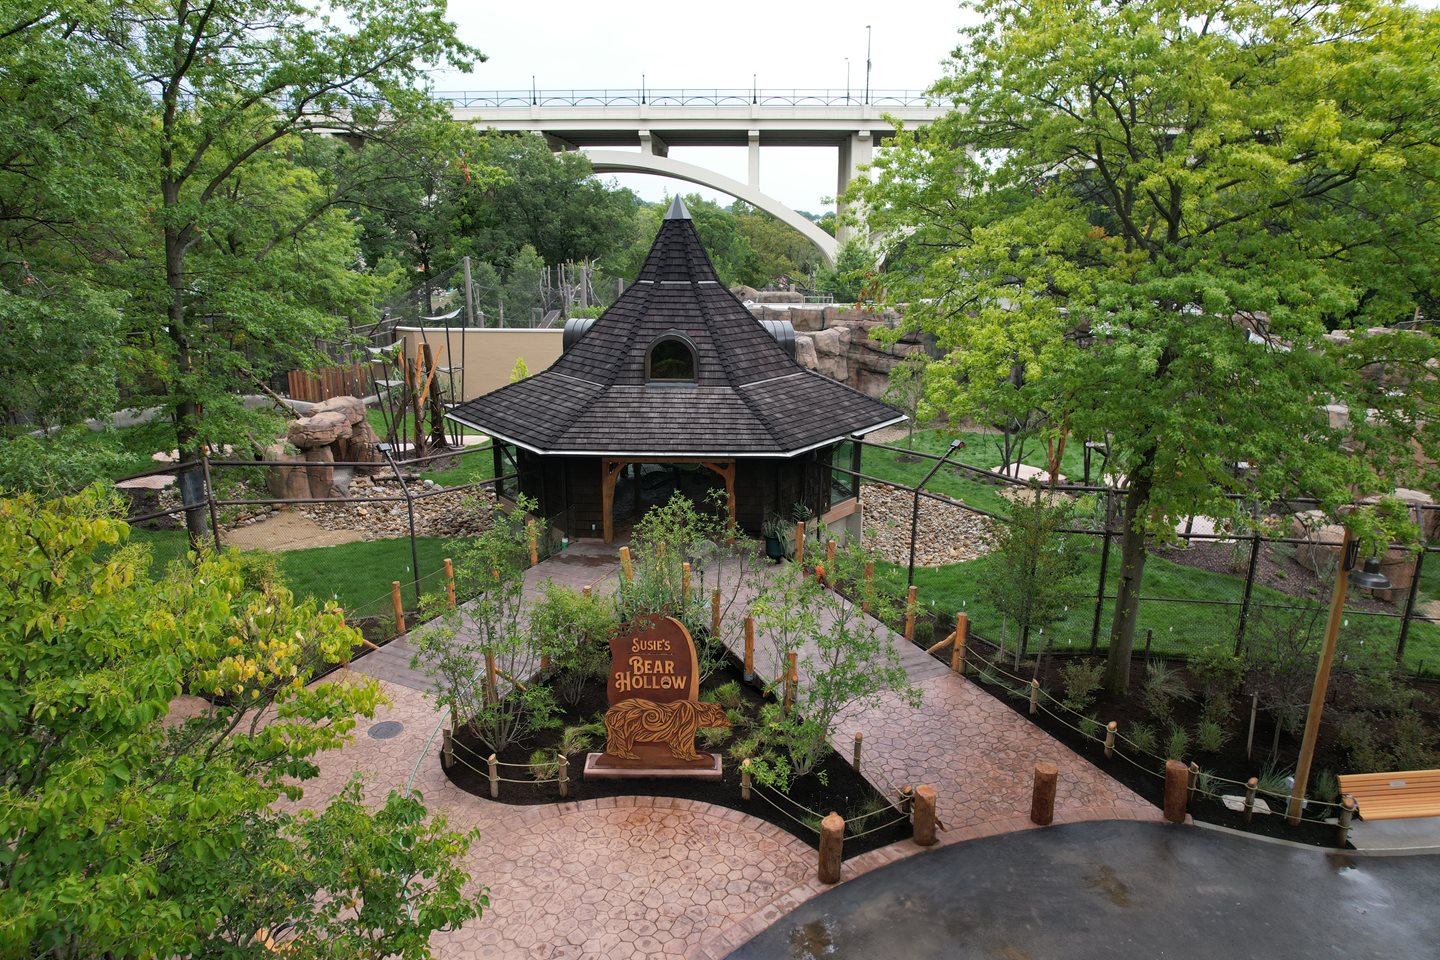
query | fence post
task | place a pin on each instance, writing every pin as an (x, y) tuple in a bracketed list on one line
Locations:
[(1034, 696), (1249, 588), (1251, 786), (409, 507), (399, 607), (745, 779), (1192, 780), (830, 555), (534, 548), (791, 677), (1409, 609), (749, 649), (450, 582), (564, 776), (1110, 739), (1104, 565), (627, 570), (210, 498), (957, 652), (832, 841), (685, 582), (715, 614), (859, 738), (1176, 790), (909, 614), (800, 543), (447, 748), (494, 764), (1342, 830), (924, 815)]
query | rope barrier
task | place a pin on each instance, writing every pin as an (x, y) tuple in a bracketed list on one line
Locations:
[(793, 803), (783, 811), (883, 826)]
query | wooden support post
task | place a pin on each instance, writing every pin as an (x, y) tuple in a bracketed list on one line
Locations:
[(830, 555), (1042, 797), (907, 799), (534, 548), (745, 779), (447, 747), (1110, 729), (957, 652), (859, 739), (909, 615), (494, 764), (492, 689), (685, 582), (869, 586), (749, 649), (800, 542), (1034, 697), (1250, 737), (544, 663), (1251, 786), (1192, 779), (715, 614), (936, 648), (1342, 829), (564, 776), (627, 571), (832, 842), (585, 591), (398, 605), (924, 815), (450, 582), (792, 675), (1176, 791)]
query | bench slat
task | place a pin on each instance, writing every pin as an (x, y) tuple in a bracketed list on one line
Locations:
[(1400, 795)]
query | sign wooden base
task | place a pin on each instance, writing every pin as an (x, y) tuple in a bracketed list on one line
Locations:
[(602, 766)]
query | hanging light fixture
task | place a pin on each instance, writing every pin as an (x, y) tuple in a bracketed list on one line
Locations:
[(1369, 577)]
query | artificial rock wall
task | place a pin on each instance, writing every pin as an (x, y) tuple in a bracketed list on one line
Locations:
[(836, 341)]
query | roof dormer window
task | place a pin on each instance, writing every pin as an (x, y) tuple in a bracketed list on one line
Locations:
[(671, 360)]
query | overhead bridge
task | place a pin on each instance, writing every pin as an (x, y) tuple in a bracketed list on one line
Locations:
[(605, 122)]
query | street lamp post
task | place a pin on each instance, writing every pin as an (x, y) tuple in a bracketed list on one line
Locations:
[(1371, 579), (867, 64), (847, 80), (915, 511)]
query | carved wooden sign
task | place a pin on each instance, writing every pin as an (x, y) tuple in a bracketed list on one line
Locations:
[(654, 701)]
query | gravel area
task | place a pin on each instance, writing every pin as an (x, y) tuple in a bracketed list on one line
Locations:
[(944, 534), (436, 514)]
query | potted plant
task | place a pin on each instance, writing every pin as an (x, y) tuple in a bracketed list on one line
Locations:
[(774, 529)]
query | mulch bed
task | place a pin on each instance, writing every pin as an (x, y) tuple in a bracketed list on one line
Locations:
[(1147, 779), (834, 785)]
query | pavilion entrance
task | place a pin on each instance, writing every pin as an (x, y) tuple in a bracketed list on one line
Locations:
[(633, 487)]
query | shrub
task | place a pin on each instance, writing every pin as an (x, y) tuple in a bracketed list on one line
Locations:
[(544, 765), (572, 630), (714, 737), (745, 748), (1163, 686), (1218, 670), (1210, 737), (729, 695), (1325, 787), (1080, 679), (1091, 728), (1177, 744), (1274, 781), (577, 739), (1142, 737)]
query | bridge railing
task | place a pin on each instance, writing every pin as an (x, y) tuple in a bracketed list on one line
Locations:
[(683, 97)]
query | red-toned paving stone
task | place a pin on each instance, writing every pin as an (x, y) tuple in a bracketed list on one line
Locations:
[(655, 876)]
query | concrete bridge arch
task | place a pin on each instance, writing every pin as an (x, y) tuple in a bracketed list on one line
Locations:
[(624, 161)]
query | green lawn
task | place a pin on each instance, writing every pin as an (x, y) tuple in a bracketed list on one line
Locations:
[(477, 463)]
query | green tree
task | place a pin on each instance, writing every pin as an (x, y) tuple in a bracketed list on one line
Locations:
[(1158, 210), (854, 267), (126, 832), (905, 389)]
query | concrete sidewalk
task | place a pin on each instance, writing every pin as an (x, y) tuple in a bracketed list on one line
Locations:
[(1121, 891)]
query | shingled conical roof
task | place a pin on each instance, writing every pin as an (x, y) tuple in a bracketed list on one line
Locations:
[(747, 396)]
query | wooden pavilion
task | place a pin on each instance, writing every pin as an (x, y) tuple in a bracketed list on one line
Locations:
[(677, 388)]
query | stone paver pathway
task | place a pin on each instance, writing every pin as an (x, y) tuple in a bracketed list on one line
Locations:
[(654, 877)]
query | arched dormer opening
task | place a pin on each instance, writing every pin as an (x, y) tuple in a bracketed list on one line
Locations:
[(671, 359)]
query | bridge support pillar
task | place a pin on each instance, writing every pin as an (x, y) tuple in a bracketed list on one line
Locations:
[(653, 145), (754, 138), (855, 151)]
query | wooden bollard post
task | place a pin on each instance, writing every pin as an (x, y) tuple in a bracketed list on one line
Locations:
[(534, 549), (855, 758), (907, 799), (791, 676), (1176, 790), (830, 555), (715, 614), (626, 569), (910, 616), (1192, 780), (494, 764), (745, 779), (957, 652), (800, 543), (585, 591), (398, 605), (1042, 797), (869, 586), (564, 776), (447, 747), (749, 649), (1342, 829), (832, 846), (1110, 729), (924, 818), (685, 582), (1034, 697), (450, 582), (1251, 786)]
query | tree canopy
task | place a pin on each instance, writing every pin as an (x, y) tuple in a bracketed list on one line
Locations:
[(1171, 225)]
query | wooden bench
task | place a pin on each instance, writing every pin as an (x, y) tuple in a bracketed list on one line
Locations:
[(1394, 796)]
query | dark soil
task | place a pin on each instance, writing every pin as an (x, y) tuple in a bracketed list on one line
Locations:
[(834, 785), (1146, 775), (142, 502)]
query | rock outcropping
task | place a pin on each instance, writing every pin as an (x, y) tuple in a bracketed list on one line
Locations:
[(836, 341), (336, 430)]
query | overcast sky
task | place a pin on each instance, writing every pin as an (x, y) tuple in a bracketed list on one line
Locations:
[(568, 44)]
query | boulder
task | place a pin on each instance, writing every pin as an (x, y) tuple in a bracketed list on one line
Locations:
[(352, 407), (320, 430), (832, 352), (320, 472), (805, 351), (803, 319), (283, 482), (1322, 541)]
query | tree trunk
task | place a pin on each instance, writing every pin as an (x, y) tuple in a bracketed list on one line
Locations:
[(1133, 553), (187, 409)]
